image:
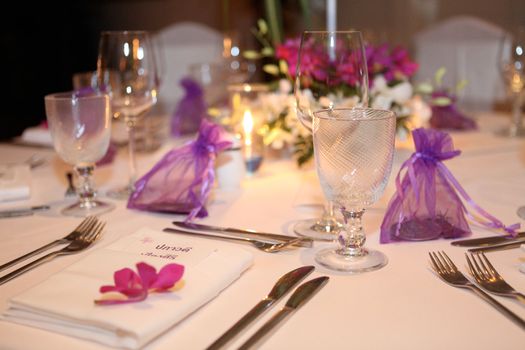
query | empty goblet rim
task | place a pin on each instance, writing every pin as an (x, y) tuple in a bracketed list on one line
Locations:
[(384, 114), (68, 95), (332, 32)]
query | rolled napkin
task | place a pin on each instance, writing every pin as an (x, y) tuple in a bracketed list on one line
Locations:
[(64, 303), (15, 182)]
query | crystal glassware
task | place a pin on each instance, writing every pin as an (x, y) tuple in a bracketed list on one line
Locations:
[(127, 70), (80, 125), (331, 72), (353, 150), (512, 67)]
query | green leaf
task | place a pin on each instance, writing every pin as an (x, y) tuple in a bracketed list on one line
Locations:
[(283, 66), (441, 101), (271, 69), (263, 27), (461, 85), (267, 51), (438, 77), (425, 88), (251, 54)]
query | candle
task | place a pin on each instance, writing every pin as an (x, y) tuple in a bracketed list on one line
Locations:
[(247, 125), (252, 143)]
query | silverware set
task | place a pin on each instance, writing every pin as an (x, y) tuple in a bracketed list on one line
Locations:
[(267, 242), (486, 276), (284, 285), (77, 240)]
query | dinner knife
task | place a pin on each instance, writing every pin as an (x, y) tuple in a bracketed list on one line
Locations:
[(301, 295), (508, 245), (22, 211), (281, 288), (486, 241), (306, 242)]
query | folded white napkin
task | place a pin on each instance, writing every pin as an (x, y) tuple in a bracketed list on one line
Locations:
[(37, 135), (64, 302), (15, 182)]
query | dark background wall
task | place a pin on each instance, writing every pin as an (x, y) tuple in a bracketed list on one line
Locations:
[(44, 43)]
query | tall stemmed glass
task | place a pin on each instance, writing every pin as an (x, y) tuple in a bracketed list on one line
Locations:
[(512, 66), (331, 72), (127, 70), (354, 149), (81, 126)]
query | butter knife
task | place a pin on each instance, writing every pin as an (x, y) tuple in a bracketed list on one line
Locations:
[(281, 288), (22, 211), (502, 246), (301, 295), (486, 241), (306, 242)]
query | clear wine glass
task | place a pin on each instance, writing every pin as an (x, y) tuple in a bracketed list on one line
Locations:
[(331, 72), (354, 150), (127, 70), (80, 125), (512, 67)]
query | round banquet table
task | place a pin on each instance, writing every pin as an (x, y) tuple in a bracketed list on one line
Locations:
[(401, 306)]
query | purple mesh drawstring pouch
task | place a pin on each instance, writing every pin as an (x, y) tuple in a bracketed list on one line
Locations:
[(181, 181), (427, 203), (191, 109)]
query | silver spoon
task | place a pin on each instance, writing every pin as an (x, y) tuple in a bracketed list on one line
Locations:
[(264, 246)]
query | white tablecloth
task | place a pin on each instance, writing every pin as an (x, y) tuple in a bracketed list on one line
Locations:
[(402, 306)]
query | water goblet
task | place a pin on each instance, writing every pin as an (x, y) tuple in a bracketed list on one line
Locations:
[(353, 151), (331, 72), (80, 126), (127, 70)]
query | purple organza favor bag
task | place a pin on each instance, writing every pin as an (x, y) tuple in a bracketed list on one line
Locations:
[(181, 181), (427, 202), (191, 109)]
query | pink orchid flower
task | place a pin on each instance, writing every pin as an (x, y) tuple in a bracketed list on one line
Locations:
[(137, 286)]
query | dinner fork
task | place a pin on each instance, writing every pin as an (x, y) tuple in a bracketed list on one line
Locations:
[(486, 275), (449, 273), (85, 226), (78, 244)]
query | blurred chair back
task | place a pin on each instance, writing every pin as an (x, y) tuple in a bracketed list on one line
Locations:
[(468, 48), (181, 45)]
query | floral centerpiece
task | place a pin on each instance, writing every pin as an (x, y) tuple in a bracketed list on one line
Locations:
[(389, 72)]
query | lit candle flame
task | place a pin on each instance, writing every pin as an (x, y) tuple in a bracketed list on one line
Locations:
[(247, 124)]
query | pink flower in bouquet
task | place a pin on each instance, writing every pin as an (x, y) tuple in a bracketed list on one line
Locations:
[(394, 64)]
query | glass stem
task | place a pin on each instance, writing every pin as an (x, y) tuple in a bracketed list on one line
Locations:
[(516, 127), (328, 222), (85, 189), (352, 238), (130, 124)]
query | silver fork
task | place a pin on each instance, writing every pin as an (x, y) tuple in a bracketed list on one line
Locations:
[(85, 226), (486, 275), (80, 243), (449, 273)]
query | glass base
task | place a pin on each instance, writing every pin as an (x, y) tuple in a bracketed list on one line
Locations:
[(122, 193), (317, 229), (333, 259), (94, 208), (521, 212)]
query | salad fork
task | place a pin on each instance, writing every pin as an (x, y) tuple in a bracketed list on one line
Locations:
[(78, 244), (85, 226), (449, 273), (486, 275)]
